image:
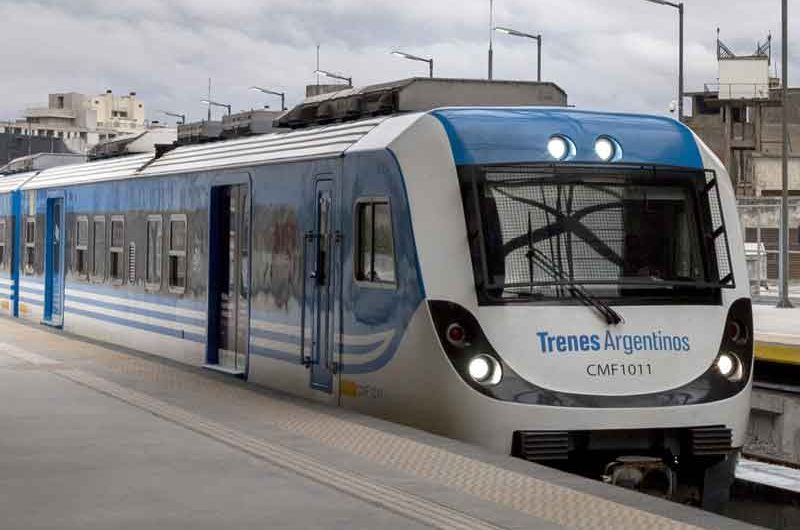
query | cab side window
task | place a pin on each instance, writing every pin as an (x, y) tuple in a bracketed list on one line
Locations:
[(374, 259)]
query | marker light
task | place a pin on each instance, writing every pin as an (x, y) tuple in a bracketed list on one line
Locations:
[(485, 370), (456, 335), (558, 147), (605, 149)]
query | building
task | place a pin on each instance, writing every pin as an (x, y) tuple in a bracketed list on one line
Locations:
[(78, 121), (739, 117)]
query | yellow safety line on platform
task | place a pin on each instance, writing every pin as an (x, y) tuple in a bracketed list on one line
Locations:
[(524, 493), (777, 353)]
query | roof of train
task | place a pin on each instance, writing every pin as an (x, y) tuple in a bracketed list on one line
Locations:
[(14, 181), (477, 135), (331, 140)]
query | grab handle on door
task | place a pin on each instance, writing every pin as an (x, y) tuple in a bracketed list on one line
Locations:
[(305, 361)]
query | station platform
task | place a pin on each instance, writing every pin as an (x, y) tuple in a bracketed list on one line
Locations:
[(100, 438), (777, 333)]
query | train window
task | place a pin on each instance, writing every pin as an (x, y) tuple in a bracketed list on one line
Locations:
[(116, 257), (99, 249), (153, 259), (82, 248), (374, 247), (2, 243), (30, 245), (177, 253)]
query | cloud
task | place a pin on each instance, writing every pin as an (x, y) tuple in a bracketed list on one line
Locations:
[(608, 54)]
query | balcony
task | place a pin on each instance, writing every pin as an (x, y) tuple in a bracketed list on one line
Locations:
[(46, 112)]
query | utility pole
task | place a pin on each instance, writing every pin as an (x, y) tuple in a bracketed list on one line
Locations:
[(784, 231), (491, 35), (680, 62)]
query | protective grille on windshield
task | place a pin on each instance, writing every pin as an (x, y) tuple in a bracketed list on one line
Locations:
[(613, 234)]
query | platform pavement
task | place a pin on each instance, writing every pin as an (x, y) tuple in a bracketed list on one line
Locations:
[(777, 333), (98, 438)]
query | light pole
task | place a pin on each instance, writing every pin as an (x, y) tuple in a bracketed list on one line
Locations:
[(215, 104), (783, 300), (404, 55), (491, 35), (537, 38), (273, 93), (181, 117), (679, 7), (335, 76)]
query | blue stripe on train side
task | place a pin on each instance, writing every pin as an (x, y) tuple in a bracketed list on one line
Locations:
[(140, 325)]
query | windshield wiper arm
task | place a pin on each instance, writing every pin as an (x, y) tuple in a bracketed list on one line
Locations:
[(578, 291)]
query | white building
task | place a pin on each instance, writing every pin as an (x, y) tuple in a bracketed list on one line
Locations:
[(81, 121)]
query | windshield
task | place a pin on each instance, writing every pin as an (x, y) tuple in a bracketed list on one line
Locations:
[(618, 235)]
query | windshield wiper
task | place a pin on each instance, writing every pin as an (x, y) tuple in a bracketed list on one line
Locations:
[(578, 291)]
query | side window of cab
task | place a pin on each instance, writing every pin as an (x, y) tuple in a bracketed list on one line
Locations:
[(374, 260)]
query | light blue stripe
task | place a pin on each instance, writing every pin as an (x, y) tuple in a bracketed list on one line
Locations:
[(139, 325)]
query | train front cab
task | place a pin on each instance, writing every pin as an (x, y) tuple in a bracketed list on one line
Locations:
[(553, 363)]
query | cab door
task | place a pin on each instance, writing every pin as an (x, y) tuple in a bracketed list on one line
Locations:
[(323, 267)]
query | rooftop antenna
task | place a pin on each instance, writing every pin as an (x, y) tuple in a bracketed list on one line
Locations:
[(317, 70), (209, 98)]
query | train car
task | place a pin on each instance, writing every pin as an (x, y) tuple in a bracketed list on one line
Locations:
[(566, 286)]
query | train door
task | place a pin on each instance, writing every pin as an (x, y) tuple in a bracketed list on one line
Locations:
[(229, 279), (54, 262), (322, 285)]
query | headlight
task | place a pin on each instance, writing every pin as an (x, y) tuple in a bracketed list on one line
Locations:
[(485, 369), (560, 147), (606, 149), (729, 366)]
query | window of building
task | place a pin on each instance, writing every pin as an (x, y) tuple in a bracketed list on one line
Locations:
[(99, 249), (82, 247), (30, 245), (153, 258), (116, 256), (375, 247), (177, 253), (3, 236)]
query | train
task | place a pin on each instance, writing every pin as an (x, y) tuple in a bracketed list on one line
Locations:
[(565, 286)]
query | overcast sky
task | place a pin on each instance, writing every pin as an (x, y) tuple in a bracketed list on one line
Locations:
[(607, 54)]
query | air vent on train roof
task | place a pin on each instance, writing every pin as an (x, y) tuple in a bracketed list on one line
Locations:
[(417, 94)]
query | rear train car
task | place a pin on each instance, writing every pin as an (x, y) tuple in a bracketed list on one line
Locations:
[(565, 286)]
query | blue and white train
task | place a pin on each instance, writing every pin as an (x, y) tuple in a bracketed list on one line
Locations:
[(566, 286)]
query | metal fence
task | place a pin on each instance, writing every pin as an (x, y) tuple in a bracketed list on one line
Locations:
[(760, 220)]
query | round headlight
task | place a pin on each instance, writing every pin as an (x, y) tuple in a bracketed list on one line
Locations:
[(605, 149), (485, 369), (558, 147), (726, 364), (730, 366)]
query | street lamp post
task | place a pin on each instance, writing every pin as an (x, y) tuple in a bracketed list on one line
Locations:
[(215, 104), (335, 76), (783, 299), (181, 117), (537, 38), (491, 36), (679, 7), (404, 55), (273, 93)]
